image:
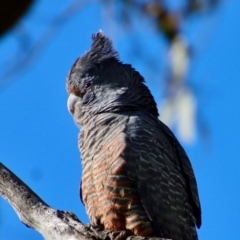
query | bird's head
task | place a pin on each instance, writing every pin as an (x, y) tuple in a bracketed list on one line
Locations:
[(98, 82)]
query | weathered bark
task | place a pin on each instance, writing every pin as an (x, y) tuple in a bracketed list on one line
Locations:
[(51, 223)]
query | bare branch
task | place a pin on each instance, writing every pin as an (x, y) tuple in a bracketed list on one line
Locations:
[(52, 224)]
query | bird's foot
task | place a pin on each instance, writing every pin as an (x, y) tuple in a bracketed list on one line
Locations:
[(120, 235)]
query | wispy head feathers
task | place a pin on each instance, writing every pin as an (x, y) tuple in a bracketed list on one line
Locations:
[(115, 86), (101, 50)]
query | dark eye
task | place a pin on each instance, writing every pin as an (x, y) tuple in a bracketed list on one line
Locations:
[(87, 85)]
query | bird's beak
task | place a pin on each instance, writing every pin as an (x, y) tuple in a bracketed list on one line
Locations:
[(72, 99)]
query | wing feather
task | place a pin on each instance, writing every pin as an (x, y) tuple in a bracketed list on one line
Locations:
[(163, 175)]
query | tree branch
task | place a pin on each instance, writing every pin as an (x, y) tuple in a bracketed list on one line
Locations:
[(52, 224)]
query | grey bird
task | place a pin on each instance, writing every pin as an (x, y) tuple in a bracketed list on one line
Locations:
[(136, 177)]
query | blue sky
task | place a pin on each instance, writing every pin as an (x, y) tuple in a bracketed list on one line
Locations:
[(38, 137)]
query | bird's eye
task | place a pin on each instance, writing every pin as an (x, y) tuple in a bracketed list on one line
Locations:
[(87, 85)]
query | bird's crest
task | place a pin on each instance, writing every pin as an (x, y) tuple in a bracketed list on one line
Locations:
[(101, 49)]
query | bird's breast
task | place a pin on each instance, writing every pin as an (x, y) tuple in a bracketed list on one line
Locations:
[(109, 195)]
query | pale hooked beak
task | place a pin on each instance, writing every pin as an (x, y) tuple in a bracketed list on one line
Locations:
[(72, 99)]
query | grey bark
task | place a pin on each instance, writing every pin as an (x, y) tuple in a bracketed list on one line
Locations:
[(51, 223)]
